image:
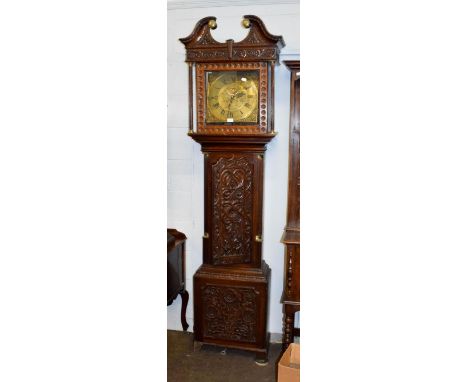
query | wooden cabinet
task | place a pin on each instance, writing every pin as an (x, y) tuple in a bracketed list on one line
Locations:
[(176, 271), (291, 237)]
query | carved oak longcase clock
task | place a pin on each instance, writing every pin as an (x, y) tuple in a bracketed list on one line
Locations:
[(231, 88)]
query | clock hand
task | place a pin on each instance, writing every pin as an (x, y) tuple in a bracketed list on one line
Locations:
[(234, 96), (230, 102)]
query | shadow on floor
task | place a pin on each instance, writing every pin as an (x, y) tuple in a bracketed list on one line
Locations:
[(210, 365)]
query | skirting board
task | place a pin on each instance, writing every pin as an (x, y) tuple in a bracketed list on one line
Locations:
[(276, 338)]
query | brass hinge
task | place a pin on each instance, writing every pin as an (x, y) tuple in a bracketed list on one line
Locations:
[(258, 238)]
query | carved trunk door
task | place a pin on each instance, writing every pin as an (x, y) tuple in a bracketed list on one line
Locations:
[(233, 208)]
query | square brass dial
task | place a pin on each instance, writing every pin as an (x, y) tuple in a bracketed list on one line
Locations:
[(232, 97)]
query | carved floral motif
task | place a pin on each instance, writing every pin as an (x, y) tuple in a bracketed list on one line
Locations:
[(254, 53), (232, 210), (212, 54), (253, 38), (229, 312), (205, 39), (290, 271)]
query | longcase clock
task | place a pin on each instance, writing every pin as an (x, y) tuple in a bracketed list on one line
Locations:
[(292, 233), (231, 112)]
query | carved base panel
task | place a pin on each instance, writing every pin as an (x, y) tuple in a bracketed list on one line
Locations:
[(231, 307)]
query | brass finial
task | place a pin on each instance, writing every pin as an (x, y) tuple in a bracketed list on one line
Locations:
[(212, 24), (246, 23)]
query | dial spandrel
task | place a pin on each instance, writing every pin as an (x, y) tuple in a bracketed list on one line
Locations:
[(232, 97)]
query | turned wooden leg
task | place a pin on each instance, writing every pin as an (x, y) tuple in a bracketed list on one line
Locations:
[(185, 298), (288, 327), (261, 357)]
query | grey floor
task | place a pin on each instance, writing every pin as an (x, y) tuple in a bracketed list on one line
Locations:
[(210, 365)]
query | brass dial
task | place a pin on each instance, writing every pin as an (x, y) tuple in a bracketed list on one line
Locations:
[(232, 97)]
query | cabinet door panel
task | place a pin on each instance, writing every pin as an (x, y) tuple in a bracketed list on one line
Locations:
[(232, 208)]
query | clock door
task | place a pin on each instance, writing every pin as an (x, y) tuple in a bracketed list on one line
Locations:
[(232, 98), (233, 208)]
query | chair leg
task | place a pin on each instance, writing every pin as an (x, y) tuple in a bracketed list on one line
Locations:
[(185, 298)]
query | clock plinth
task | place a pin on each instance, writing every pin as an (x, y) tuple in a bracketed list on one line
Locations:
[(231, 307), (233, 121)]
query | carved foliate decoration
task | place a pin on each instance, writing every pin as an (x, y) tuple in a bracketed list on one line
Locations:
[(205, 39), (211, 54), (230, 312), (290, 270), (254, 53), (259, 44), (215, 55), (253, 38), (232, 210)]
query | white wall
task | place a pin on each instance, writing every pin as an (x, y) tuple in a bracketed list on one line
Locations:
[(185, 163)]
